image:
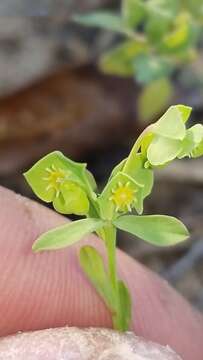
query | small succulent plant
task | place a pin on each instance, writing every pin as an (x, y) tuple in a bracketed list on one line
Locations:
[(72, 190), (157, 38)]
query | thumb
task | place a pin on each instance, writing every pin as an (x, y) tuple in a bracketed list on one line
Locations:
[(77, 344)]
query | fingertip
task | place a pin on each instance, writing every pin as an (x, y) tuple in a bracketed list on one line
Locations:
[(48, 289)]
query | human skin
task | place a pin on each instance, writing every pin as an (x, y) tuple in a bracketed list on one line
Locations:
[(48, 289)]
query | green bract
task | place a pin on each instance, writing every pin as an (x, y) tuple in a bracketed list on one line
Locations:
[(63, 182), (72, 190), (168, 138)]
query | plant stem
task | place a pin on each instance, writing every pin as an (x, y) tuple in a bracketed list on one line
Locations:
[(110, 242), (136, 147), (122, 306)]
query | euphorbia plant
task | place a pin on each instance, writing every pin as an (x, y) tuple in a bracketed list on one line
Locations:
[(72, 190), (156, 38)]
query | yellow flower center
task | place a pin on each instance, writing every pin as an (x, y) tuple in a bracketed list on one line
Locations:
[(123, 197), (55, 178)]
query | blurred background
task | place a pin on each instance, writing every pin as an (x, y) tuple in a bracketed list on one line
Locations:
[(90, 90)]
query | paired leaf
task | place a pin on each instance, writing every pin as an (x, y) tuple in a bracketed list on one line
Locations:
[(92, 264), (156, 229), (67, 234)]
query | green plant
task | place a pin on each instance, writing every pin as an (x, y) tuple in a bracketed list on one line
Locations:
[(160, 36), (72, 190)]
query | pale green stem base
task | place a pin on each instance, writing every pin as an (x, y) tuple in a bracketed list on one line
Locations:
[(110, 241)]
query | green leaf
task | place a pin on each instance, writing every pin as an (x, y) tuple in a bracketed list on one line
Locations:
[(67, 234), (122, 318), (170, 125), (156, 229), (119, 61), (162, 150), (103, 19), (149, 67), (133, 12), (154, 98), (92, 264)]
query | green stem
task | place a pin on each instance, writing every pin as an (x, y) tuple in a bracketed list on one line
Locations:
[(109, 236), (110, 242), (121, 309), (136, 147)]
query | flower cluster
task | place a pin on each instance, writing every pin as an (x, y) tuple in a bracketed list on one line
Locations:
[(71, 188), (168, 138)]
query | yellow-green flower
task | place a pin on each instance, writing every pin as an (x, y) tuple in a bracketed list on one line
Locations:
[(121, 195)]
